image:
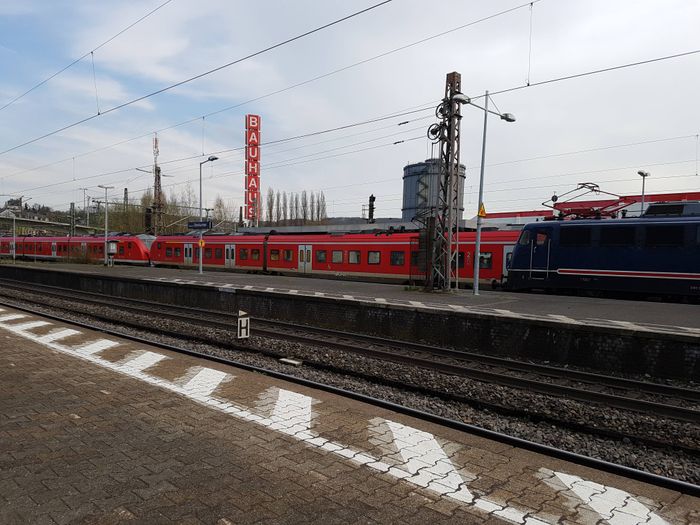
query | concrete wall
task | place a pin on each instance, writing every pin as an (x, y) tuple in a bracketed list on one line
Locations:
[(604, 349)]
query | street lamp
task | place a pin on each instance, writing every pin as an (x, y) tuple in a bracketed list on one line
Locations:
[(106, 216), (508, 117), (211, 158), (643, 175)]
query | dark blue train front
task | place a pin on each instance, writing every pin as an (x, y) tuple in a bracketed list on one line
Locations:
[(652, 255)]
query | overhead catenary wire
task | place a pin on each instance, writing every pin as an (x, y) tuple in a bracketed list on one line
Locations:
[(91, 52), (308, 81), (201, 75)]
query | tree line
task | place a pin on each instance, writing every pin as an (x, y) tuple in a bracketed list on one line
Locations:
[(294, 209)]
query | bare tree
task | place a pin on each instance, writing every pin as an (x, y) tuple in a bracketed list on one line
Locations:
[(322, 216), (278, 208), (304, 207), (312, 207), (297, 207), (285, 208), (270, 205)]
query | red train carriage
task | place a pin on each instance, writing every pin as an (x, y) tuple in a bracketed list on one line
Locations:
[(390, 257), (131, 249)]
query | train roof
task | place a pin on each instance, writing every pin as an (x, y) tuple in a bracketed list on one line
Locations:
[(628, 221)]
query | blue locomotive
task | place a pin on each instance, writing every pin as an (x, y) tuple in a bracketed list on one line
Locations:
[(658, 253)]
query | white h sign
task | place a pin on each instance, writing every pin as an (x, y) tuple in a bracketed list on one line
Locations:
[(243, 325)]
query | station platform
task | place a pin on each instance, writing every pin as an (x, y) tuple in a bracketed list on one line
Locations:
[(99, 429), (650, 316)]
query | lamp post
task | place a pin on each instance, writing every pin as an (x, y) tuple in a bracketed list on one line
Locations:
[(508, 117), (643, 175), (211, 158), (106, 217)]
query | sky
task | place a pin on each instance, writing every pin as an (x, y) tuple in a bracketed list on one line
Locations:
[(599, 128)]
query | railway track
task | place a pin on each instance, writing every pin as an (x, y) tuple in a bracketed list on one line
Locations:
[(609, 391)]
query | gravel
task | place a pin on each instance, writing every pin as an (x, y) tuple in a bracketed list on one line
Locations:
[(542, 419)]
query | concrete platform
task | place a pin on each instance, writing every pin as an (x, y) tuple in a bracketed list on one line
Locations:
[(643, 315), (97, 429)]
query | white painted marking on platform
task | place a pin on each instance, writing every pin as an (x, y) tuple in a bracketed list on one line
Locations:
[(30, 325), (416, 303), (293, 291), (248, 287), (615, 506), (269, 289), (292, 412), (94, 347), (11, 317), (55, 335), (351, 297), (206, 381), (564, 319), (380, 300), (427, 463), (142, 361)]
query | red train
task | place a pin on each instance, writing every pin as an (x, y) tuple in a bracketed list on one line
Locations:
[(389, 257), (132, 249)]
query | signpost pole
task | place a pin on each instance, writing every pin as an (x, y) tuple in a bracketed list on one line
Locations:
[(201, 250)]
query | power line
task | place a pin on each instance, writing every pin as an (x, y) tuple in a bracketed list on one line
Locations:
[(593, 72), (287, 88), (272, 142), (201, 75), (85, 55)]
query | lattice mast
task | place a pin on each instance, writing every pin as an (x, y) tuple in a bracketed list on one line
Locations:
[(157, 189), (442, 224)]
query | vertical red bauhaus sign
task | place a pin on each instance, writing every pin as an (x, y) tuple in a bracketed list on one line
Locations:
[(252, 166)]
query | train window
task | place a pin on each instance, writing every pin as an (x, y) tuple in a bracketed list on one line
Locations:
[(168, 252), (664, 236), (398, 258), (354, 257), (575, 236), (460, 259), (274, 255), (101, 248), (158, 245), (697, 236), (617, 236), (178, 252), (243, 254), (121, 249), (321, 256), (287, 255), (218, 253), (542, 237), (207, 253), (128, 245), (255, 254), (373, 257), (486, 260), (524, 238), (337, 256)]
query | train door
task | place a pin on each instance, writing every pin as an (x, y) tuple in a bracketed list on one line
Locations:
[(188, 253), (304, 258), (53, 249), (540, 251), (507, 259), (230, 260)]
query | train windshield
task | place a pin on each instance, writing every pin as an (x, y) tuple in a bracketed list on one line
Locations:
[(524, 239)]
